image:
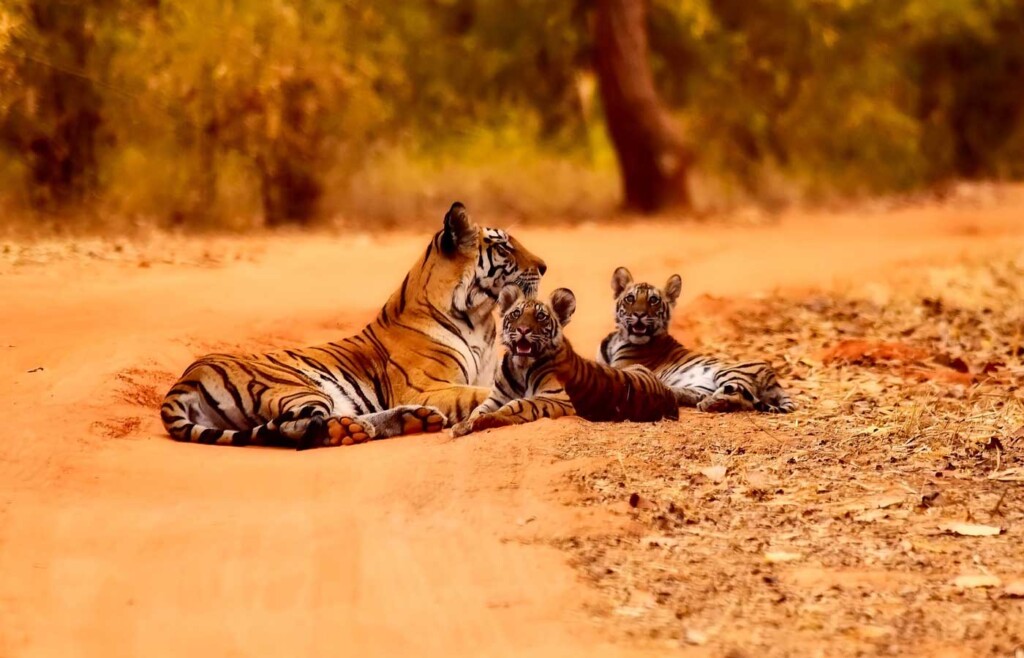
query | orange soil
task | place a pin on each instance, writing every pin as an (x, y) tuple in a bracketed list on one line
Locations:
[(116, 541)]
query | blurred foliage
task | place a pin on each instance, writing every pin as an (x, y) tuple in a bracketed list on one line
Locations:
[(221, 111), (854, 95)]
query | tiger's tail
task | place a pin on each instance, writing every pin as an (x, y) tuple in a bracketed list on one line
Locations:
[(181, 428)]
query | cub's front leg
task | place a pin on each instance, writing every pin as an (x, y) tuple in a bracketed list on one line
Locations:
[(455, 402), (485, 422), (496, 400), (516, 412)]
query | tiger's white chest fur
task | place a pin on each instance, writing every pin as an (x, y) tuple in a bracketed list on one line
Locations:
[(474, 339), (693, 374), (484, 357)]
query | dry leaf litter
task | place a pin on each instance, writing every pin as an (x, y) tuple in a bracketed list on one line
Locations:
[(885, 517)]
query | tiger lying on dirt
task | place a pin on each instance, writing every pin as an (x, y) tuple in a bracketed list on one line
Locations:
[(642, 315), (428, 358), (541, 376)]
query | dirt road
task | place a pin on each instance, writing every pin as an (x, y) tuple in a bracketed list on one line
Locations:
[(116, 541)]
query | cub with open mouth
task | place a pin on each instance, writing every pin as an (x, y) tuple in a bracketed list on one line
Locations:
[(541, 376)]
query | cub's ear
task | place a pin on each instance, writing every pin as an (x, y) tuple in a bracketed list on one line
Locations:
[(673, 288), (563, 304), (459, 232), (620, 280), (509, 297)]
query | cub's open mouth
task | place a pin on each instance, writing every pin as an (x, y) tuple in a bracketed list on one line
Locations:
[(523, 347), (639, 329)]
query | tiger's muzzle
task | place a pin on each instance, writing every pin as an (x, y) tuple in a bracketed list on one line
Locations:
[(639, 325), (523, 342), (529, 281)]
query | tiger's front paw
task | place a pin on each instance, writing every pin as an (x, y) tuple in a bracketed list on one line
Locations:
[(462, 429), (483, 422), (490, 421), (728, 397), (779, 407)]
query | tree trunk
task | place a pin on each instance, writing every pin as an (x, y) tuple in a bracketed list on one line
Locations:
[(652, 157), (290, 171), (59, 136), (206, 143), (290, 191)]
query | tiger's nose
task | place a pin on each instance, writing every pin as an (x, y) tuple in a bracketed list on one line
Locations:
[(542, 268)]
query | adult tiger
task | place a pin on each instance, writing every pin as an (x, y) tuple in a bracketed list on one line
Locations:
[(642, 315), (427, 358)]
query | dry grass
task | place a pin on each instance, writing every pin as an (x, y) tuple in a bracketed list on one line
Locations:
[(514, 184), (831, 531)]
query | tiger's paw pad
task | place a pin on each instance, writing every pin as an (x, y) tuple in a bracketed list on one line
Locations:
[(338, 431), (346, 431), (419, 420)]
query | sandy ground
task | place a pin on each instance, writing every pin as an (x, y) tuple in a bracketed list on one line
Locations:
[(116, 541)]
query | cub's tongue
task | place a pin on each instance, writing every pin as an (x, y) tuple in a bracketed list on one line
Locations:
[(524, 346)]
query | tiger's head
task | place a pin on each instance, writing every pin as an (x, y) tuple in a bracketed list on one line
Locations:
[(490, 259), (643, 311), (531, 328)]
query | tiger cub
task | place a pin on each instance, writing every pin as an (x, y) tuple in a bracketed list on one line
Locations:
[(525, 385), (642, 314), (541, 376)]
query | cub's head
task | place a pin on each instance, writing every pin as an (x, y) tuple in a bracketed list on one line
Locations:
[(643, 311), (531, 328), (490, 259)]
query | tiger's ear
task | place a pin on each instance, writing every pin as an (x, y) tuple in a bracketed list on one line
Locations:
[(620, 280), (673, 288), (563, 303), (459, 233), (509, 297)]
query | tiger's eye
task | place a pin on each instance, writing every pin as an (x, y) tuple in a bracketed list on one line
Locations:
[(654, 301), (630, 299), (541, 315)]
